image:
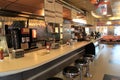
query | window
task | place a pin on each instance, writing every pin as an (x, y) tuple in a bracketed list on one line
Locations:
[(117, 30)]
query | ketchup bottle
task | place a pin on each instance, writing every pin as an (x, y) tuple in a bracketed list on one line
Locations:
[(1, 54)]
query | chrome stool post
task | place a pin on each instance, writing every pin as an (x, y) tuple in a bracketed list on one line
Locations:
[(89, 58), (80, 63)]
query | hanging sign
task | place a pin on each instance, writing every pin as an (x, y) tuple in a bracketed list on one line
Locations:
[(102, 9)]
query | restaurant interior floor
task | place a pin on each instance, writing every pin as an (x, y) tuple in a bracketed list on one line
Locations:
[(107, 61)]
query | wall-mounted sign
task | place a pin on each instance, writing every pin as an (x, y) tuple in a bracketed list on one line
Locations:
[(102, 9)]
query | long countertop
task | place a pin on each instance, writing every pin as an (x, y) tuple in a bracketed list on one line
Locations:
[(36, 58)]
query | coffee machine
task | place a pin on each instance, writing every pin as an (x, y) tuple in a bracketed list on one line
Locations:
[(25, 38), (16, 38)]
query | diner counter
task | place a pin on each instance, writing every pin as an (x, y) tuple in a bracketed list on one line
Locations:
[(36, 58)]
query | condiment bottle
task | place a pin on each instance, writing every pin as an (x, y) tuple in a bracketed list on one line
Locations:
[(1, 54), (48, 47)]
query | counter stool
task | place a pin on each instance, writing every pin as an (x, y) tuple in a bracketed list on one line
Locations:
[(80, 63), (89, 58), (54, 78), (71, 72)]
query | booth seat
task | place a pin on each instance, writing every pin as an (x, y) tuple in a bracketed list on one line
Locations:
[(110, 38), (117, 38)]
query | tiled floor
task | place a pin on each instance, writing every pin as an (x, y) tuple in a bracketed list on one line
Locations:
[(107, 62)]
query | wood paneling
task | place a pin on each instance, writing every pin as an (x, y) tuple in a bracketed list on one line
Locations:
[(58, 7), (73, 14), (58, 13), (31, 3), (49, 6), (82, 4), (53, 12), (4, 3), (49, 11), (35, 7)]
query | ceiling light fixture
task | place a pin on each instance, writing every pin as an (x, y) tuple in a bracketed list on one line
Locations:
[(80, 21), (95, 15), (106, 0), (109, 23)]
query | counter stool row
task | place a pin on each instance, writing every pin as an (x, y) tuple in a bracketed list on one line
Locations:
[(72, 71)]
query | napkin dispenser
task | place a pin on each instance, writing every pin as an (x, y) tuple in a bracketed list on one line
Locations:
[(55, 45), (18, 53)]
